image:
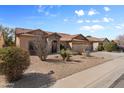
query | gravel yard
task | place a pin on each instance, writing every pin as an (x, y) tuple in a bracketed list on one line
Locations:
[(38, 74)]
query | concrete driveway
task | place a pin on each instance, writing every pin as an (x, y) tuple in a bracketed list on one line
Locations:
[(101, 76)]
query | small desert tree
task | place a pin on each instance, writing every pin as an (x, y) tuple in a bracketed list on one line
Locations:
[(100, 47), (40, 46), (111, 47), (88, 51)]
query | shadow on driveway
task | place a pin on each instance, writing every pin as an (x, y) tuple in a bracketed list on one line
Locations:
[(33, 80)]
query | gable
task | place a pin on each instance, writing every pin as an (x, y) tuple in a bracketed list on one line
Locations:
[(80, 37), (106, 40), (37, 32)]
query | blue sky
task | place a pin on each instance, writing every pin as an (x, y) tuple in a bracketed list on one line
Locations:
[(99, 20)]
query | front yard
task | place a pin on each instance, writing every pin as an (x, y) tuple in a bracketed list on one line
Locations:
[(60, 69)]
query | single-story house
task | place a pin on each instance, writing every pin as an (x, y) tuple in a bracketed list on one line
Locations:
[(2, 42), (24, 38), (95, 42), (120, 44), (77, 43)]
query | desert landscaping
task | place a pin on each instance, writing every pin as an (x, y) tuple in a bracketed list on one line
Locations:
[(38, 74)]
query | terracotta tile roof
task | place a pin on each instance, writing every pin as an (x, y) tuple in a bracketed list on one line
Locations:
[(26, 31), (95, 39), (66, 37), (115, 41), (22, 30), (31, 35), (51, 33), (78, 40)]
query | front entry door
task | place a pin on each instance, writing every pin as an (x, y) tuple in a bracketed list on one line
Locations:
[(54, 46)]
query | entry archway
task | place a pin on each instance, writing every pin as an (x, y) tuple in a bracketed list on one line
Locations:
[(54, 46)]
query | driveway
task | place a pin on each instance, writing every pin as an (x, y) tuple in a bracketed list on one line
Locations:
[(101, 76)]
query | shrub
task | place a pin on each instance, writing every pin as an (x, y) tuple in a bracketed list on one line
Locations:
[(66, 54), (110, 47), (15, 62), (100, 48)]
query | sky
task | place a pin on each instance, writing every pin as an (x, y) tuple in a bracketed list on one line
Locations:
[(94, 20)]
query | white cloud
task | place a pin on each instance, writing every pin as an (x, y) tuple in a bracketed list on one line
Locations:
[(92, 12), (119, 26), (102, 20), (105, 19), (87, 21), (80, 21), (79, 12), (41, 8), (92, 28), (95, 21), (65, 20), (45, 10), (106, 9)]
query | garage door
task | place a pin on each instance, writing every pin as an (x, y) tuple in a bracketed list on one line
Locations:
[(79, 47)]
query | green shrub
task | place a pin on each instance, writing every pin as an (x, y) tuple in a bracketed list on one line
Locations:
[(110, 47), (100, 48), (15, 62), (63, 54), (66, 54)]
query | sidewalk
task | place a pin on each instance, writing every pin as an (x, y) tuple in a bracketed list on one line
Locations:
[(99, 76)]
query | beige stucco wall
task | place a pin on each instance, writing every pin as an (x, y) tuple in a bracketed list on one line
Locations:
[(1, 41), (17, 41), (23, 42)]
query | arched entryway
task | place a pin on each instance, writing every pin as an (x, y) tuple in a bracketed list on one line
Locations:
[(31, 48), (54, 46)]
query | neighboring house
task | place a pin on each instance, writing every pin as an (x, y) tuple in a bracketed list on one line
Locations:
[(119, 44), (77, 43), (95, 42), (2, 42), (24, 39)]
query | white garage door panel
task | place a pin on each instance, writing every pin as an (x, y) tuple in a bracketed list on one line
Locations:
[(95, 46), (78, 48)]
